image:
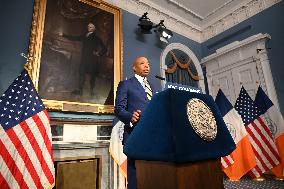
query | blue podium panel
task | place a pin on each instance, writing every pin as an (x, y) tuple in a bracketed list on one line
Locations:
[(165, 132)]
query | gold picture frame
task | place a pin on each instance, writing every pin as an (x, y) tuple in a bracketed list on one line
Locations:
[(57, 62)]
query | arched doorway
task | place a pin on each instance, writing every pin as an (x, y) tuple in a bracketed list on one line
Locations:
[(180, 65)]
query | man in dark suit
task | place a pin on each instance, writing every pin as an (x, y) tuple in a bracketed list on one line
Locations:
[(132, 96), (92, 49)]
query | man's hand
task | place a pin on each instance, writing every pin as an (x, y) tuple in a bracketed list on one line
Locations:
[(136, 116)]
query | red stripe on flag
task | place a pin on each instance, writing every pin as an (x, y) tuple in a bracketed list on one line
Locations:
[(44, 135), (227, 161), (263, 150), (3, 182), (254, 175), (268, 132), (12, 166), (223, 163), (257, 168), (24, 155), (47, 116), (265, 127), (37, 151), (257, 155)]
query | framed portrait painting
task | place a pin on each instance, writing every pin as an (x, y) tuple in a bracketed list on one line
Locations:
[(75, 56)]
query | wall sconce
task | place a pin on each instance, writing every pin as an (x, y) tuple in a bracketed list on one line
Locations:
[(146, 26)]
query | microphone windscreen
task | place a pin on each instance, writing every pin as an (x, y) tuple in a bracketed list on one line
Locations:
[(159, 77)]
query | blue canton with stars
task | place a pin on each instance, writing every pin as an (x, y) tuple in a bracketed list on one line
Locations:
[(19, 102), (246, 107)]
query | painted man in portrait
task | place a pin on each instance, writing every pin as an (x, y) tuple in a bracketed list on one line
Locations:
[(92, 49)]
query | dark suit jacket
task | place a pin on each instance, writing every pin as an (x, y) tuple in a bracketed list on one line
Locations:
[(130, 96), (90, 44)]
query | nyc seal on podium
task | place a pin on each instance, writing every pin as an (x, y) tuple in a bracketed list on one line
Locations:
[(202, 119)]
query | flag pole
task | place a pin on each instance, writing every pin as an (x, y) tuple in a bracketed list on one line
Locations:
[(257, 83), (27, 65)]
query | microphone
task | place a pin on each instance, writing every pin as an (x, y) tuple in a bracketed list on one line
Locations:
[(159, 77)]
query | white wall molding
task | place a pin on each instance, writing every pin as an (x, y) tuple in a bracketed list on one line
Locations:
[(234, 16), (210, 26), (232, 46), (241, 58)]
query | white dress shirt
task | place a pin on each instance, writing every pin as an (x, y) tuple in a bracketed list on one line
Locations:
[(140, 79)]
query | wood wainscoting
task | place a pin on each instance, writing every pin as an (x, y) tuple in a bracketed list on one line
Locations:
[(78, 172)]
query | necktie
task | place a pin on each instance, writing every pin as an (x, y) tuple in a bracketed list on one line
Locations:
[(148, 89)]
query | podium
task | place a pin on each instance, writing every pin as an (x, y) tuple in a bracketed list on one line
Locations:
[(179, 141), (166, 175)]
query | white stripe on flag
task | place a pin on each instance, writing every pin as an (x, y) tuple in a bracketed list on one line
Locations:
[(30, 151), (259, 165), (257, 148), (45, 121), (227, 161), (230, 159), (266, 149), (224, 164), (265, 145), (255, 172), (16, 157), (8, 175), (45, 153)]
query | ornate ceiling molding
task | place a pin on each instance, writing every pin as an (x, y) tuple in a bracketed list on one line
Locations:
[(235, 17), (198, 33)]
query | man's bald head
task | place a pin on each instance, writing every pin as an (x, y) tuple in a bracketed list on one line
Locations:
[(141, 66)]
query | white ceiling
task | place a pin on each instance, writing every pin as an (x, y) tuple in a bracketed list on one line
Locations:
[(200, 7), (199, 12)]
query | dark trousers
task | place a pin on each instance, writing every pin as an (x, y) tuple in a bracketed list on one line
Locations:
[(131, 174)]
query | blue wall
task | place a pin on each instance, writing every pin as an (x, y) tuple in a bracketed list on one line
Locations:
[(269, 21), (15, 20), (137, 44)]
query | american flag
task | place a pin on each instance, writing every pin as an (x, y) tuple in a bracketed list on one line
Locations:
[(227, 161), (274, 120), (260, 136), (26, 159)]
